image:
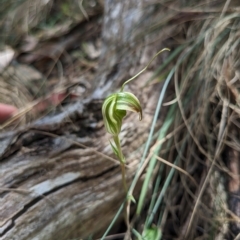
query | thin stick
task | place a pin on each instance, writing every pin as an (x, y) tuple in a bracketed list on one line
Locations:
[(177, 168)]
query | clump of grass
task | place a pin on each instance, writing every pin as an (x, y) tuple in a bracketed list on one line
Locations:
[(205, 82), (189, 198)]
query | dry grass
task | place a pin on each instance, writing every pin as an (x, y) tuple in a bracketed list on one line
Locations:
[(206, 126), (206, 84)]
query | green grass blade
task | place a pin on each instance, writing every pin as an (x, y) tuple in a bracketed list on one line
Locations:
[(156, 186), (163, 133), (113, 221), (137, 234), (164, 188)]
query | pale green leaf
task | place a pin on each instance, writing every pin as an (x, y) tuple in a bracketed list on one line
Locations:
[(152, 233), (115, 150)]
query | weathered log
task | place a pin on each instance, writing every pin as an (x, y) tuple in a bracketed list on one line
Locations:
[(57, 178)]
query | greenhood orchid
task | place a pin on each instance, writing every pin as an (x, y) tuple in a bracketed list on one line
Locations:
[(115, 108)]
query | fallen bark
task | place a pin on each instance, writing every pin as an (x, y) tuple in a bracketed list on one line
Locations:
[(58, 179)]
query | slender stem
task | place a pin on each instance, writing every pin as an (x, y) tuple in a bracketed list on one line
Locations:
[(123, 171), (118, 146), (124, 181), (122, 161)]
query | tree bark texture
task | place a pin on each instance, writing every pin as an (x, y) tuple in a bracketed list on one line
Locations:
[(57, 178)]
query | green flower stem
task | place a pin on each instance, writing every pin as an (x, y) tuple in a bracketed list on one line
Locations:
[(118, 146), (123, 171), (122, 161)]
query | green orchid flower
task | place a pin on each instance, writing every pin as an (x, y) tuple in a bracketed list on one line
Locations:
[(115, 108)]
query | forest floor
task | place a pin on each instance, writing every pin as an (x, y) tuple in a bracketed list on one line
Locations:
[(49, 55)]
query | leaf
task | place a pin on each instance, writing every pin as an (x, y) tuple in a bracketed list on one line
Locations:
[(115, 150), (152, 233), (130, 197)]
